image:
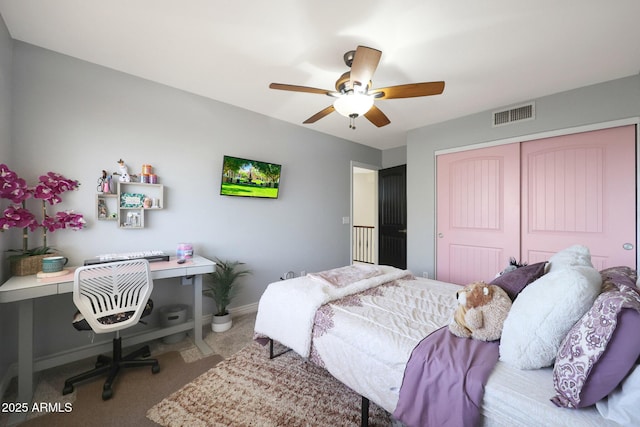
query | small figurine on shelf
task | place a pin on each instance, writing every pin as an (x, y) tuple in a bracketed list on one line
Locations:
[(104, 184), (103, 212), (123, 171)]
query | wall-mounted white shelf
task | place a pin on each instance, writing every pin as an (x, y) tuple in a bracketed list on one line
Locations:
[(135, 199)]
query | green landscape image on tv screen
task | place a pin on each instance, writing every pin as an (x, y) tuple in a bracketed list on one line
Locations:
[(249, 178)]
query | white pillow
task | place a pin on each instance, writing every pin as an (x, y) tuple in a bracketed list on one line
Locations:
[(543, 314), (574, 256)]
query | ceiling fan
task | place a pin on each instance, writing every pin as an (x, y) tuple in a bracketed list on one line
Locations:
[(354, 95)]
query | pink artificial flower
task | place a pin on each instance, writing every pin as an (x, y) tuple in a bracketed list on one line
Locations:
[(58, 183), (11, 186), (17, 216), (52, 185), (46, 193), (62, 220), (6, 173), (49, 188), (69, 219), (51, 224), (16, 191)]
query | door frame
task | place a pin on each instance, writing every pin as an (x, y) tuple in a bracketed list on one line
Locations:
[(548, 134), (354, 164)]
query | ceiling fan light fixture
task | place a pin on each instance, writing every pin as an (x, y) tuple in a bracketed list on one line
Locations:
[(353, 104), (354, 96)]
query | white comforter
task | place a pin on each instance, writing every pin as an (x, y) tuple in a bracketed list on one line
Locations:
[(287, 308), (368, 339)]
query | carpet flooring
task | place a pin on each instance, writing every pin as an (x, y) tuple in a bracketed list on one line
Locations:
[(249, 389), (134, 391), (180, 363)]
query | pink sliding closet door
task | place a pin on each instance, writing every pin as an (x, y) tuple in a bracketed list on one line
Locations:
[(478, 213), (580, 188)]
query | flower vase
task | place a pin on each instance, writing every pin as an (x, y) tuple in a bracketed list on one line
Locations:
[(27, 265)]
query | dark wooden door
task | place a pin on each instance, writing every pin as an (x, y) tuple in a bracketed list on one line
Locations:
[(392, 216)]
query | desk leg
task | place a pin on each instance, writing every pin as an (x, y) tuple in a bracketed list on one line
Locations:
[(197, 315), (25, 351)]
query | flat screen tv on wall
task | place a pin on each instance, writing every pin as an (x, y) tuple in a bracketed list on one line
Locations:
[(249, 178)]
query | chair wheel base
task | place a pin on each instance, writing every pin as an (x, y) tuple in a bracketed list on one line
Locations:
[(111, 367)]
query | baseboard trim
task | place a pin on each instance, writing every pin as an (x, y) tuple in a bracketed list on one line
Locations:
[(235, 312), (244, 309)]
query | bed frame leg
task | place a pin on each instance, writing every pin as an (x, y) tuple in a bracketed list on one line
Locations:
[(364, 420), (271, 355)]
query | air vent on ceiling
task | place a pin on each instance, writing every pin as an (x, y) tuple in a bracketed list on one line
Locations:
[(514, 114)]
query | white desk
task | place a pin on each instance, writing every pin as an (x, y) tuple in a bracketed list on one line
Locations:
[(24, 289)]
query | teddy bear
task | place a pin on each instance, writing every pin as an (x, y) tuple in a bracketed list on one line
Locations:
[(481, 312)]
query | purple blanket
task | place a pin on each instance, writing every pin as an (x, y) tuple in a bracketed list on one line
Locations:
[(444, 381)]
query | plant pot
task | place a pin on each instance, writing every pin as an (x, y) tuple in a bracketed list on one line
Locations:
[(221, 323), (25, 266)]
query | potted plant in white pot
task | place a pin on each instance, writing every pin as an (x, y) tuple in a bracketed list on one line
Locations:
[(221, 289)]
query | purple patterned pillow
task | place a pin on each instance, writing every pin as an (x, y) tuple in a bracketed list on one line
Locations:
[(603, 346), (516, 280)]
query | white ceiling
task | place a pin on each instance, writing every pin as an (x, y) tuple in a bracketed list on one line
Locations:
[(491, 53)]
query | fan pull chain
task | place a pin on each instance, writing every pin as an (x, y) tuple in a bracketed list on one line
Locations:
[(352, 121)]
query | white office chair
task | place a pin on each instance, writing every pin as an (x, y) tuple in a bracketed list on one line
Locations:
[(111, 297)]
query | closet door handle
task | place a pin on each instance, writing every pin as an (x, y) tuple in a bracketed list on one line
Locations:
[(403, 231), (627, 246)]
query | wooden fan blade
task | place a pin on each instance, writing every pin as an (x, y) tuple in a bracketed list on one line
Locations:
[(364, 65), (410, 90), (295, 88), (377, 117), (317, 116)]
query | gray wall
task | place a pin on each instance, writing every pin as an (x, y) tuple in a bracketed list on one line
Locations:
[(5, 152), (609, 101), (77, 119), (6, 48), (394, 157)]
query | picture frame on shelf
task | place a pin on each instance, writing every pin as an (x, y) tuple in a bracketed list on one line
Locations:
[(131, 200)]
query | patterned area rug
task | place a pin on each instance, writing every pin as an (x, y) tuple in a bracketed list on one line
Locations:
[(249, 389)]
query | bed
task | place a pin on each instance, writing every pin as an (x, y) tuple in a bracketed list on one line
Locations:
[(362, 324)]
